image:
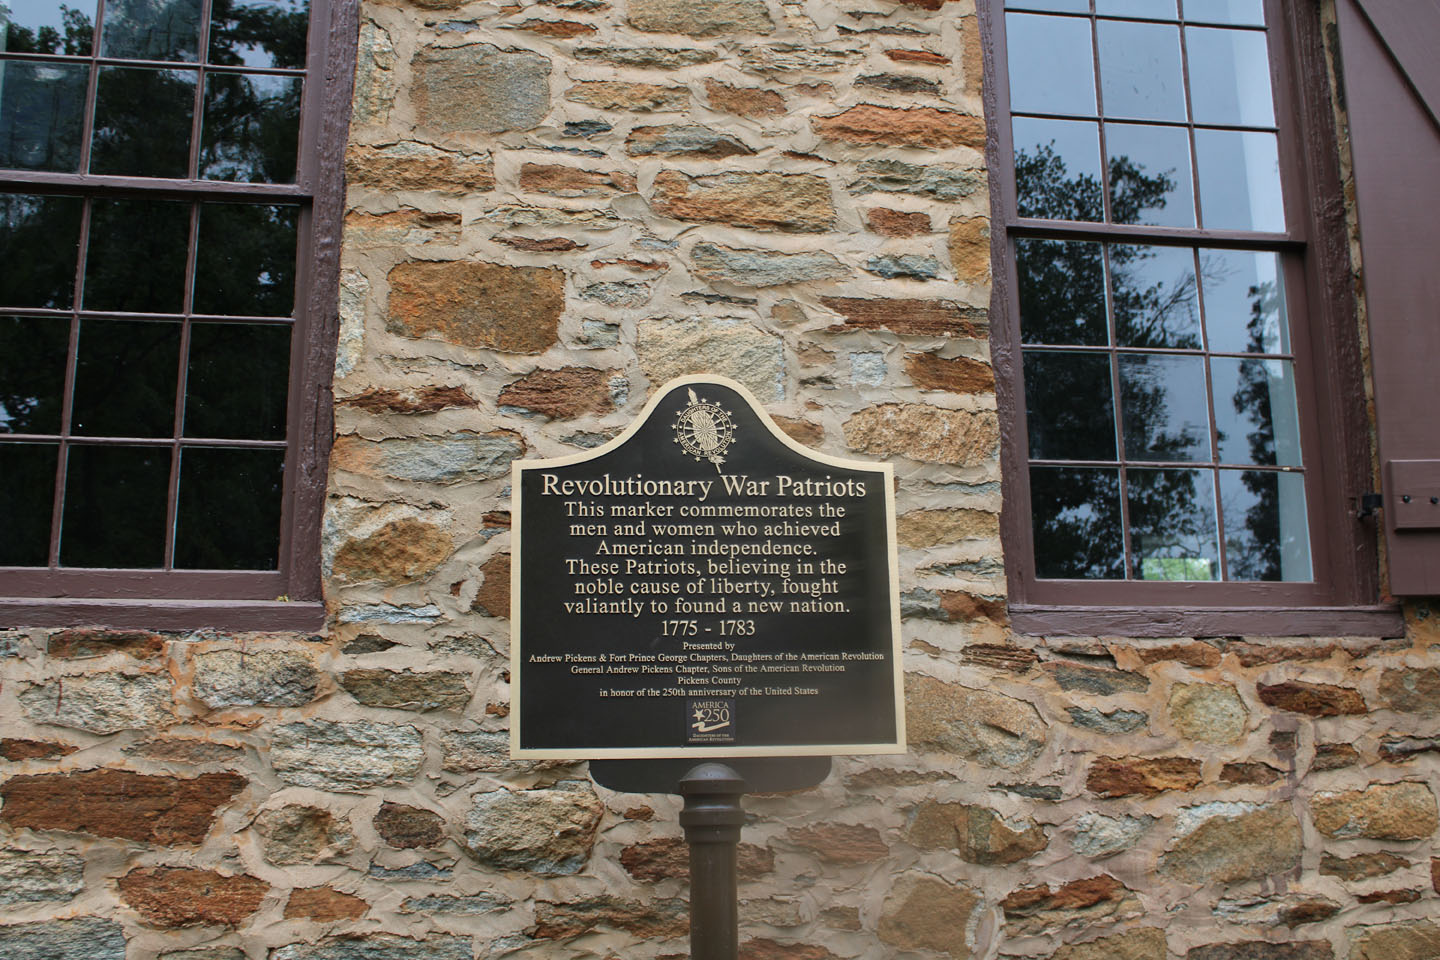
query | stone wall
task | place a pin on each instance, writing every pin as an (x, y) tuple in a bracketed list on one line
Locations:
[(554, 207)]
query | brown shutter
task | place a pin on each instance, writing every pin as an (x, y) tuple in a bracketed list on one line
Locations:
[(1392, 95)]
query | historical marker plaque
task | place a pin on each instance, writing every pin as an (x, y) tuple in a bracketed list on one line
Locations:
[(703, 585)]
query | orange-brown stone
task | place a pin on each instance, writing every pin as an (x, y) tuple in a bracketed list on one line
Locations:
[(416, 166), (744, 101), (1131, 776), (117, 803), (931, 318), (16, 750), (843, 843), (86, 642), (916, 56), (761, 948), (787, 202), (926, 127), (669, 858), (896, 223), (323, 905), (180, 897), (1314, 699), (560, 29), (494, 594), (561, 394), (560, 180), (428, 399), (400, 551), (970, 249), (950, 374), (487, 305)]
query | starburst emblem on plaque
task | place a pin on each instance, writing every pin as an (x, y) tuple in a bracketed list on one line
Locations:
[(704, 430)]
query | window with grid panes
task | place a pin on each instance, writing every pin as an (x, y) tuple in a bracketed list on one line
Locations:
[(1175, 441), (158, 172)]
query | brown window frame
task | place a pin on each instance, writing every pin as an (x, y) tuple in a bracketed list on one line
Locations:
[(1344, 597), (290, 597)]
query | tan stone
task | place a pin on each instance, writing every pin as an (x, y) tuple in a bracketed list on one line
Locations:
[(542, 244), (787, 202), (802, 431), (1142, 943), (976, 834), (842, 843), (488, 305), (625, 95), (86, 642), (1412, 940), (700, 18), (989, 728), (117, 803), (668, 858), (653, 920), (744, 101), (1208, 712), (1362, 866), (323, 905), (1192, 654), (423, 399), (1315, 699), (1381, 811), (929, 434), (1131, 776), (932, 528), (479, 88), (561, 394), (403, 550), (179, 897), (950, 374), (1412, 690), (729, 347), (404, 226), (972, 65), (926, 318), (925, 127), (970, 249), (1236, 845), (560, 180), (895, 223), (923, 913), (1038, 909), (761, 948), (559, 29)]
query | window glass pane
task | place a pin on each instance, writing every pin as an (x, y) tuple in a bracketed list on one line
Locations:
[(251, 129), (125, 372), (26, 498), (1150, 179), (32, 373), (1156, 299), (1062, 292), (1140, 76), (1057, 169), (114, 513), (1244, 301), (1239, 180), (1229, 77), (136, 260), (151, 30), (1163, 407), (142, 122), (42, 108), (1155, 9), (1255, 414), (259, 33), (1242, 12), (238, 378), (1077, 523), (227, 516), (1058, 6), (45, 26), (39, 241), (245, 264), (1051, 68), (1172, 524), (1266, 533), (1068, 409)]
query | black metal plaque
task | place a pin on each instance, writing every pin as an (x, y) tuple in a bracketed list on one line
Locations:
[(704, 586)]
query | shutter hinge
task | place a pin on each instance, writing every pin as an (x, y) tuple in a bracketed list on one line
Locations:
[(1369, 503)]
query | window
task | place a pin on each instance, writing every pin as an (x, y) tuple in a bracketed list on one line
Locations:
[(163, 312), (1186, 439)]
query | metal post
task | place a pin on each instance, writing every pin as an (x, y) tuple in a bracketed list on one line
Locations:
[(712, 817)]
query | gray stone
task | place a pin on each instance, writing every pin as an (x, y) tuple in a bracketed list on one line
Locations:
[(300, 834), (895, 176), (379, 947), (12, 644), (30, 876), (472, 906), (547, 831), (1208, 712), (906, 266), (347, 757), (480, 89), (1263, 950), (464, 455), (390, 613), (647, 58), (512, 215), (797, 58), (1098, 836), (598, 334), (87, 937), (700, 18), (104, 703), (729, 347), (268, 678), (898, 83), (617, 293), (205, 953), (420, 870), (763, 268), (1412, 940), (1227, 842), (405, 690), (684, 140), (1098, 680), (374, 76), (1114, 722)]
